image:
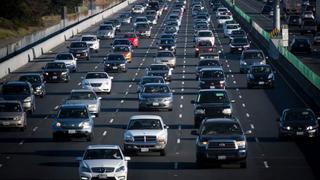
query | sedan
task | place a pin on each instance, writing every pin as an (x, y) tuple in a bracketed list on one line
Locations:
[(260, 75), (239, 44), (166, 57), (300, 45), (125, 50), (115, 62), (56, 71), (149, 79), (98, 82), (203, 46), (160, 70), (92, 41), (37, 82), (212, 78), (80, 50), (106, 31), (12, 115)]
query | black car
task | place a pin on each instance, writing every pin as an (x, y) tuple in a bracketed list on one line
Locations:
[(260, 75), (121, 41), (212, 78), (308, 26), (300, 45), (55, 72), (115, 63), (298, 122), (37, 82), (206, 63), (294, 23), (167, 44), (221, 140), (80, 50), (211, 103), (238, 44)]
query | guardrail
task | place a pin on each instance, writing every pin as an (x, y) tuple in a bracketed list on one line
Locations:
[(296, 62)]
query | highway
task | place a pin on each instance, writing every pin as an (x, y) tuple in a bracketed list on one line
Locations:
[(33, 155)]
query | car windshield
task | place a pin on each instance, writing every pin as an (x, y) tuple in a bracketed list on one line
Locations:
[(121, 48), (96, 76), (212, 74), (170, 29), (224, 17), (232, 26), (213, 97), (261, 69), (142, 26), (30, 78), (15, 89), (156, 89), (78, 45), (102, 154), (309, 23), (166, 41), (294, 116), (239, 41), (152, 80), (73, 113), (169, 36), (88, 38), (208, 63), (220, 128), (105, 28), (120, 42), (116, 57), (129, 36), (64, 57), (137, 124), (158, 67), (83, 96), (141, 20), (151, 18), (55, 66), (10, 107), (165, 54), (253, 55), (205, 34), (237, 33)]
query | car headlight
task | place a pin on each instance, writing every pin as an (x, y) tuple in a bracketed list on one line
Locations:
[(122, 65), (17, 118), (58, 124), (288, 128), (128, 138), (243, 63), (84, 125), (92, 106), (120, 169), (227, 111), (199, 111), (63, 73), (161, 138), (310, 128), (270, 76), (26, 100), (160, 47), (203, 143), (46, 73), (251, 76), (168, 99), (38, 88), (241, 144)]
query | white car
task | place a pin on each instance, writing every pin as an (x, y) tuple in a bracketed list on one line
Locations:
[(92, 41), (146, 133), (138, 9), (205, 35), (229, 28), (230, 22), (222, 10), (103, 162), (106, 31), (224, 18), (68, 59), (98, 82)]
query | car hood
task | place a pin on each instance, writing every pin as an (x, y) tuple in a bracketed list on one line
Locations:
[(98, 80), (19, 97), (155, 95), (104, 31), (10, 114), (236, 137), (72, 121), (144, 132), (260, 75), (164, 58), (213, 105), (81, 102), (78, 49), (104, 163), (211, 79)]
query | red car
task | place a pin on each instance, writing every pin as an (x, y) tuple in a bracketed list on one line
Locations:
[(203, 46), (133, 38)]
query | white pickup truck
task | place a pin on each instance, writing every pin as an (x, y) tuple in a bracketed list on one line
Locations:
[(205, 35)]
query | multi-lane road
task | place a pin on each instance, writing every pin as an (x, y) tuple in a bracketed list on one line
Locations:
[(33, 155)]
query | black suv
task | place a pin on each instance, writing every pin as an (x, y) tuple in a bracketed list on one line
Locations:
[(115, 63), (212, 78), (167, 44), (211, 103), (80, 50), (37, 82), (221, 140), (56, 71), (260, 75), (298, 122)]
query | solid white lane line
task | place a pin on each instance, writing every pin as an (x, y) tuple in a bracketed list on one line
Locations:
[(104, 133), (248, 115), (34, 129), (178, 141), (111, 120), (252, 126), (266, 165), (240, 96), (243, 105), (21, 143)]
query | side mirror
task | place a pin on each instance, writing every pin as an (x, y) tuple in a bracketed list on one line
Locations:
[(166, 127), (78, 159), (193, 101), (194, 132), (99, 98), (248, 132), (233, 101), (127, 158), (93, 116), (111, 77)]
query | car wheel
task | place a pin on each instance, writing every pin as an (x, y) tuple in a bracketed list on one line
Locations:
[(162, 152), (23, 128), (96, 50), (243, 164), (90, 137)]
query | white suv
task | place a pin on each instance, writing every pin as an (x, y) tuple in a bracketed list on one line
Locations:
[(92, 41), (103, 162)]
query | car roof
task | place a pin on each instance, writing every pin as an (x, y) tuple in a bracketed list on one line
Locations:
[(156, 84), (31, 74), (204, 31), (212, 69), (103, 147), (227, 120), (16, 83), (152, 77), (145, 117), (297, 109)]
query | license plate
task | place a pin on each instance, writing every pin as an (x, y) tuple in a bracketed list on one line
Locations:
[(71, 131), (155, 104), (222, 157), (299, 133), (5, 123), (54, 77), (261, 82), (212, 87), (239, 49), (115, 67), (144, 149), (103, 176), (77, 55)]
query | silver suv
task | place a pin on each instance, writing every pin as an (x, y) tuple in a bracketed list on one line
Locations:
[(251, 57), (12, 115), (146, 133)]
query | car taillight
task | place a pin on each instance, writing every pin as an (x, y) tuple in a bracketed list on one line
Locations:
[(197, 49), (210, 49)]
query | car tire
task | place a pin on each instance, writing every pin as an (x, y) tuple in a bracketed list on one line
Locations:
[(162, 152), (243, 164), (89, 137), (23, 128)]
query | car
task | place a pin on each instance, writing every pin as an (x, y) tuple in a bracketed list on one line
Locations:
[(294, 23), (87, 97), (206, 63), (251, 57), (68, 59), (229, 28), (221, 140), (199, 27), (316, 39), (203, 46), (149, 79), (125, 18), (92, 41), (300, 46), (21, 91), (211, 103), (37, 82), (162, 70), (12, 115), (260, 75), (98, 82), (146, 133), (125, 50), (56, 72), (205, 35), (221, 10), (80, 50), (307, 14), (141, 19), (133, 38), (155, 96), (115, 63), (171, 30), (212, 78), (204, 18), (72, 120), (106, 31), (173, 23), (167, 44), (222, 19), (238, 44), (238, 34), (166, 57), (143, 29), (231, 22), (298, 122), (267, 10), (138, 9), (116, 23), (151, 13), (210, 56), (308, 26), (121, 41), (103, 162), (153, 19)]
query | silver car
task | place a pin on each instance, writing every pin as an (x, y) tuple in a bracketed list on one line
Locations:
[(251, 57), (73, 120), (155, 96), (12, 115), (106, 31), (87, 97), (166, 57), (98, 82), (103, 162), (146, 133)]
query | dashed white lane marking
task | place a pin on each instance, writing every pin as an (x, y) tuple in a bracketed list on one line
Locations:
[(181, 106), (240, 96), (182, 89), (1, 165), (243, 105), (183, 76), (181, 97), (232, 75), (111, 120), (46, 117), (8, 157), (237, 89), (21, 143), (252, 126), (248, 115), (234, 82), (179, 128), (257, 140), (266, 165), (117, 110), (79, 84), (96, 67), (127, 92), (178, 141), (34, 129), (184, 62), (130, 85), (180, 115), (228, 65), (230, 70), (104, 133), (177, 153), (182, 82), (226, 61), (133, 79), (122, 101), (136, 74), (176, 165)]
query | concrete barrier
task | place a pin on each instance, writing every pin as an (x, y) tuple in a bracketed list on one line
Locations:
[(36, 51)]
